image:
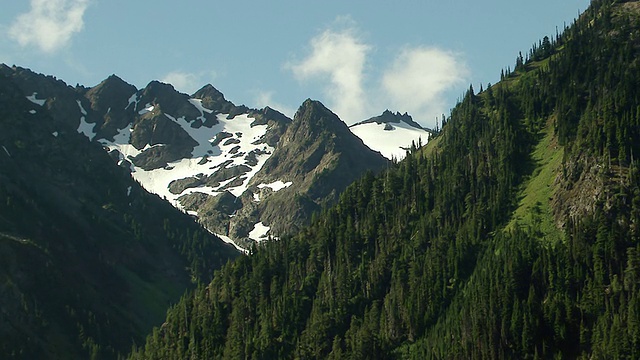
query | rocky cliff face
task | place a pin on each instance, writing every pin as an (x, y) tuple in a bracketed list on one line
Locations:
[(316, 158)]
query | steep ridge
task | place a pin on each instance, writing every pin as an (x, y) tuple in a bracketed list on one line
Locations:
[(316, 159), (110, 106), (439, 257), (86, 269)]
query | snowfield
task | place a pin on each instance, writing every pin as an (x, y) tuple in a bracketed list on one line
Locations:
[(241, 140), (259, 232), (34, 99), (229, 241), (233, 145), (276, 186), (390, 143)]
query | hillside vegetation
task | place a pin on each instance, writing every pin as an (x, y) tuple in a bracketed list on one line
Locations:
[(513, 235)]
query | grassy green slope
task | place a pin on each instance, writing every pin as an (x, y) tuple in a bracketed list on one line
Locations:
[(534, 208)]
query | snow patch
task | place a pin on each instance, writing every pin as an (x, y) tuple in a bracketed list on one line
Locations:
[(390, 143), (256, 197), (86, 128), (32, 111), (276, 185), (82, 110), (5, 150), (242, 147), (132, 100), (129, 191), (147, 108), (158, 180), (229, 241), (33, 98), (55, 134), (259, 232), (198, 104)]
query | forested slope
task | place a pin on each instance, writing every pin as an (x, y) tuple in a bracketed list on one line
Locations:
[(514, 234)]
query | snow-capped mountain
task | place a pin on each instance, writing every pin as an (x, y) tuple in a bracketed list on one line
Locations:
[(391, 133), (224, 164)]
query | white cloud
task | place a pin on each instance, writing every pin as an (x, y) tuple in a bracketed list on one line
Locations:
[(183, 81), (416, 81), (265, 98), (49, 24), (5, 60), (419, 77), (188, 82), (338, 56)]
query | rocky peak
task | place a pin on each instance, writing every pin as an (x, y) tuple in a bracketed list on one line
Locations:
[(110, 108), (112, 89), (388, 117), (213, 99), (173, 102), (319, 157), (112, 93), (275, 120), (46, 86), (314, 121), (275, 115)]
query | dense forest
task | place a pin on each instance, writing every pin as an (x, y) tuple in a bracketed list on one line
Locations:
[(512, 234)]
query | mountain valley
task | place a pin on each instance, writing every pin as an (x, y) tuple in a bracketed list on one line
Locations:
[(217, 231)]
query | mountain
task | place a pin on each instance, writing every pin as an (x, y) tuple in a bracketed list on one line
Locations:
[(512, 234), (316, 159), (392, 134), (202, 152), (90, 260)]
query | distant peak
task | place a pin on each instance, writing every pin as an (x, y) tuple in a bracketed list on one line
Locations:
[(114, 81), (108, 90), (388, 116), (314, 105), (311, 103), (208, 91), (114, 77), (272, 113), (156, 85), (311, 109), (315, 119)]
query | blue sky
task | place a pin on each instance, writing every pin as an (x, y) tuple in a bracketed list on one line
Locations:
[(357, 57)]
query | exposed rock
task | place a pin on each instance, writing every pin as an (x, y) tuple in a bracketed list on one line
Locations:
[(315, 152), (111, 107), (219, 137), (174, 103), (387, 117), (159, 156), (276, 121), (214, 100), (321, 157)]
